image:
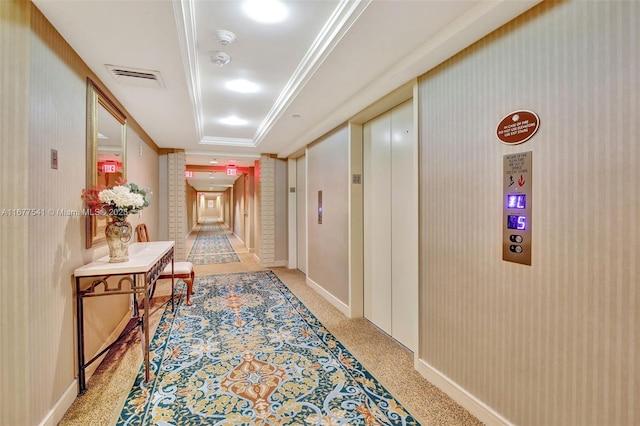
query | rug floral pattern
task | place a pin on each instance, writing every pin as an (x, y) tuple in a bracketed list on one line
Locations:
[(248, 352), (209, 249), (214, 227)]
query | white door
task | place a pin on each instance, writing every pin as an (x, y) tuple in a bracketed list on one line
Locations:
[(404, 227), (391, 224), (377, 221), (301, 213)]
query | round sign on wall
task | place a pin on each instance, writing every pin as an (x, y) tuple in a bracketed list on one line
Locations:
[(518, 127)]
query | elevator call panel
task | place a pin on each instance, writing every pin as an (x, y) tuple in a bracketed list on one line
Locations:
[(516, 208)]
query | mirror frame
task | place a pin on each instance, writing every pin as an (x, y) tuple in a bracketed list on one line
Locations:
[(96, 98)]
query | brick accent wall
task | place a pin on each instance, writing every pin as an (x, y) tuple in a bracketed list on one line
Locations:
[(268, 211), (177, 215)]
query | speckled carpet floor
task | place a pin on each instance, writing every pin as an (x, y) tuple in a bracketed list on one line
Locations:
[(388, 361)]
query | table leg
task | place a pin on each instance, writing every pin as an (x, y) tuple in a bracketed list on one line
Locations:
[(173, 285), (145, 327), (82, 384)]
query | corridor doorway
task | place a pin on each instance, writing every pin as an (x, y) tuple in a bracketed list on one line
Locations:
[(301, 213)]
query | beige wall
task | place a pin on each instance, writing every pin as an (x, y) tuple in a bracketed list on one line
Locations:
[(328, 255), (214, 212), (227, 200), (250, 206), (555, 343), (43, 88), (143, 169), (15, 304), (238, 207), (57, 102), (192, 207)]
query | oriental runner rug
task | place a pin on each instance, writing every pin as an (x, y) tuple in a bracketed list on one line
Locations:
[(248, 352), (214, 248), (215, 227), (211, 228)]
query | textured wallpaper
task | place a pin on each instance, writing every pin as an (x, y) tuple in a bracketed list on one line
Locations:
[(557, 342)]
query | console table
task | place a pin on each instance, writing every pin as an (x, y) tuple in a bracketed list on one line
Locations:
[(146, 262)]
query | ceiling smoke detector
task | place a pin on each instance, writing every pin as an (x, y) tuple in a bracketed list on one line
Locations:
[(220, 58), (225, 37)]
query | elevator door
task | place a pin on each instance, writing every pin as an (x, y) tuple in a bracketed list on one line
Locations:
[(391, 224), (301, 213)]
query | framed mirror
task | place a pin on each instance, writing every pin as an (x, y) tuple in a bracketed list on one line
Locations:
[(106, 152)]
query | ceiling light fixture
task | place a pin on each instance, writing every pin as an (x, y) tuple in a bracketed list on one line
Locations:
[(242, 86), (266, 11), (214, 161), (225, 37), (220, 58), (234, 121)]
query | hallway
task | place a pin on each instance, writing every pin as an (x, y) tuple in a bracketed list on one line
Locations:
[(382, 356)]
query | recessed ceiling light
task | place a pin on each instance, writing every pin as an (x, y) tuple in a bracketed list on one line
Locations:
[(220, 58), (242, 86), (214, 161), (266, 11), (233, 121)]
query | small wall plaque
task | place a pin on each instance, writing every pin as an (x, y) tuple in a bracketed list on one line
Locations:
[(517, 127)]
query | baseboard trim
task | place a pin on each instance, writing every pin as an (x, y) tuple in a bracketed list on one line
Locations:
[(58, 411), (61, 406), (482, 411), (338, 304)]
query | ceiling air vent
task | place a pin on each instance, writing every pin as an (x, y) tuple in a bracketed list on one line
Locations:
[(136, 77)]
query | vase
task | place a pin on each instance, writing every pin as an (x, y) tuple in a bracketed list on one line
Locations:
[(118, 233)]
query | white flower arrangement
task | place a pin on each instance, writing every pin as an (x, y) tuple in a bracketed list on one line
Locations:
[(118, 201), (121, 197)]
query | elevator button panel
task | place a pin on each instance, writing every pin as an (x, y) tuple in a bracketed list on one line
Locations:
[(516, 207)]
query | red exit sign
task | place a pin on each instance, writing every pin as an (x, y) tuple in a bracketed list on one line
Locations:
[(109, 168)]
